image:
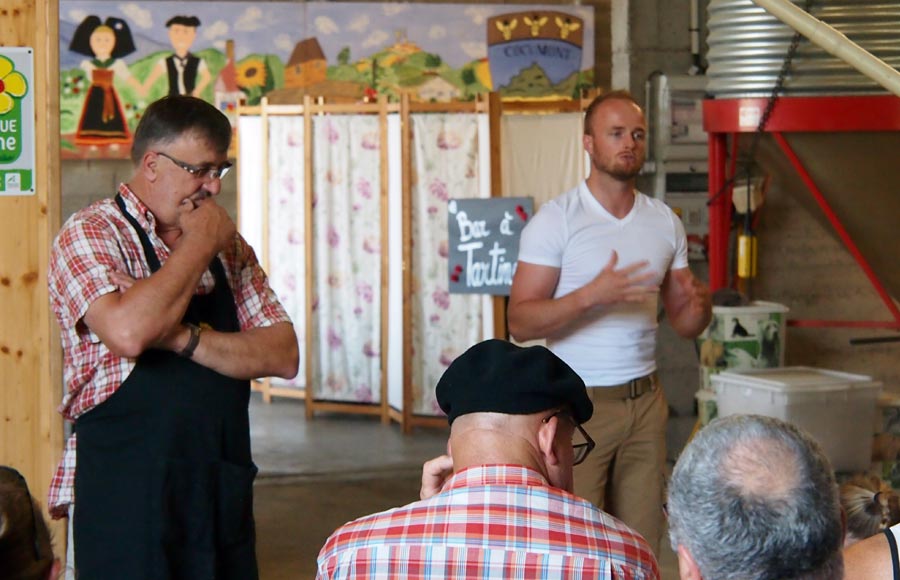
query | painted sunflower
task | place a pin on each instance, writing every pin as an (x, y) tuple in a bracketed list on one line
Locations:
[(251, 73)]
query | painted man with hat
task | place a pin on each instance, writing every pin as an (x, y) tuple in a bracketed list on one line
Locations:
[(500, 504), (186, 72)]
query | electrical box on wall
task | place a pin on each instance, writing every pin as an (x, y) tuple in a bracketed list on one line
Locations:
[(691, 208), (677, 151)]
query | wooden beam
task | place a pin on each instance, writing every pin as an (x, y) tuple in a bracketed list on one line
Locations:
[(495, 113), (266, 383), (407, 169), (31, 438), (385, 257), (347, 408), (444, 107), (310, 240)]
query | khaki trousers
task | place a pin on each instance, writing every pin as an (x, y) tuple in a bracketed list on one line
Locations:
[(625, 473)]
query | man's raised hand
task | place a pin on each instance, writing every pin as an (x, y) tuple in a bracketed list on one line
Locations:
[(627, 284)]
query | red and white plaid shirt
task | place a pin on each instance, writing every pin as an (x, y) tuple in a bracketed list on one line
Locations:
[(491, 521), (93, 243)]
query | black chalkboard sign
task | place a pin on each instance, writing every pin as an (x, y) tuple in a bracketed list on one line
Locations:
[(484, 243)]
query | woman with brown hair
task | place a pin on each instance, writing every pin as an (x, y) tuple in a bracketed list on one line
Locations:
[(871, 507)]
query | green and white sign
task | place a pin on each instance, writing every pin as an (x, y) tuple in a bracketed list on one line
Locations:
[(16, 121)]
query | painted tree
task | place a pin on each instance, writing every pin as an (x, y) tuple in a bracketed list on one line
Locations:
[(343, 56)]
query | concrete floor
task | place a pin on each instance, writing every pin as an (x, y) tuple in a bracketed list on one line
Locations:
[(316, 475)]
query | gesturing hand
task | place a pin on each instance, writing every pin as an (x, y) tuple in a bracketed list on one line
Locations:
[(627, 284), (695, 293)]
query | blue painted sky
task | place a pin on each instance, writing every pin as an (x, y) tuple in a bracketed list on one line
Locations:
[(456, 32)]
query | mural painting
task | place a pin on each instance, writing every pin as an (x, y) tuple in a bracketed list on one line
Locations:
[(102, 119), (117, 57)]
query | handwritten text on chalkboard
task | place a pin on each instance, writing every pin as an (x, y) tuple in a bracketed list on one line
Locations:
[(484, 243)]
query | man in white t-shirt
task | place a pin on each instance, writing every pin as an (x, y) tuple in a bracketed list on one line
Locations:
[(593, 263)]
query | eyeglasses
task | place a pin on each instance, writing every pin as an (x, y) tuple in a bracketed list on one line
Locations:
[(580, 449), (21, 481), (204, 172)]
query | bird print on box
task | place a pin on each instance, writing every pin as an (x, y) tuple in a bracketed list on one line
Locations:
[(769, 343), (738, 329), (742, 338)]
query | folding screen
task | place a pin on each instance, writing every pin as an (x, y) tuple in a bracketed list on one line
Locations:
[(347, 242), (351, 224), (446, 164), (271, 209)]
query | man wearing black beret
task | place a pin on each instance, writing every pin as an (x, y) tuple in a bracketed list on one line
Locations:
[(500, 504)]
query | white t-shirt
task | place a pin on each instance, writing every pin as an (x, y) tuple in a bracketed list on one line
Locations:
[(576, 234)]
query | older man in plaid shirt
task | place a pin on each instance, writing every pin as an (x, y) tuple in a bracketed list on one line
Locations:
[(506, 509), (164, 315)]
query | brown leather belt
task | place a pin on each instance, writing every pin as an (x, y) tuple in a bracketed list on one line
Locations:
[(630, 390)]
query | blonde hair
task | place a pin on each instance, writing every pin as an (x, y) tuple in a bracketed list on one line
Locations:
[(871, 506)]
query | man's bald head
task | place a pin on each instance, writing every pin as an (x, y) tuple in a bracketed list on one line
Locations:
[(755, 498)]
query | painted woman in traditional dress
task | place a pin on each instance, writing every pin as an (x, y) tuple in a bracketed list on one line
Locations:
[(102, 117)]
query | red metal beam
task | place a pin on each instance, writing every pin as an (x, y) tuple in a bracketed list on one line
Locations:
[(792, 114), (838, 226), (804, 114), (719, 213)]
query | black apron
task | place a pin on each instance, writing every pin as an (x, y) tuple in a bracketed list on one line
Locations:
[(164, 476)]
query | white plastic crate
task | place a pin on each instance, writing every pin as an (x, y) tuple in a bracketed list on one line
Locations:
[(836, 408)]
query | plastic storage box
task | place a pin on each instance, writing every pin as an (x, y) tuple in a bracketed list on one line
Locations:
[(836, 408), (742, 338)]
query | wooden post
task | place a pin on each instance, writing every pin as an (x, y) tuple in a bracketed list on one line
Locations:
[(385, 257), (266, 383), (406, 164), (31, 438), (495, 111), (310, 240)]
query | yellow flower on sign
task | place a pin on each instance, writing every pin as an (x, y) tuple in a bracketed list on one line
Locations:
[(12, 85)]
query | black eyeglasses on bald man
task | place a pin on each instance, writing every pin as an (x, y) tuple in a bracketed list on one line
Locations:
[(204, 172), (581, 448)]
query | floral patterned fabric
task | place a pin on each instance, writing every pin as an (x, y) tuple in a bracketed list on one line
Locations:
[(444, 325), (287, 242), (346, 325)]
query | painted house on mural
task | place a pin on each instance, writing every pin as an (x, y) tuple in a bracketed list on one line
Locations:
[(342, 52), (306, 73), (435, 88), (307, 65)]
